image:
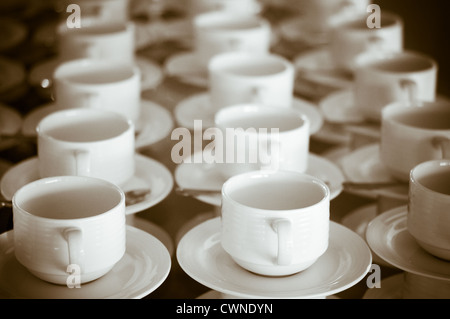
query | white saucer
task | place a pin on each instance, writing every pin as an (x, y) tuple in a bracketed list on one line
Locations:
[(207, 176), (345, 263), (364, 165), (316, 65), (41, 74), (149, 174), (213, 294), (296, 30), (388, 237), (144, 267), (358, 220), (155, 122), (152, 229), (10, 124), (390, 288), (339, 107), (185, 68), (333, 134), (198, 107)]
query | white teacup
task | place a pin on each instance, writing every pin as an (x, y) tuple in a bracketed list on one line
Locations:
[(428, 218), (196, 7), (352, 38), (86, 142), (242, 77), (259, 137), (99, 13), (115, 42), (225, 31), (275, 223), (411, 135), (385, 78), (69, 229), (100, 84)]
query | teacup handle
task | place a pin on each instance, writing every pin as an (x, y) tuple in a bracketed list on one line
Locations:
[(257, 95), (89, 50), (82, 163), (283, 228), (374, 43), (410, 88), (444, 143), (74, 238)]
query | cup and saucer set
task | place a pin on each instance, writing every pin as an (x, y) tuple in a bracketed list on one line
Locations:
[(123, 262), (100, 144), (225, 254), (413, 237)]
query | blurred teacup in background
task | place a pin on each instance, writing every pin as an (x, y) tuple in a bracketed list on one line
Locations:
[(56, 228), (242, 77), (406, 76), (101, 84), (351, 38), (98, 13), (116, 42), (275, 223), (428, 218), (86, 142), (258, 137), (225, 31), (411, 135), (195, 7)]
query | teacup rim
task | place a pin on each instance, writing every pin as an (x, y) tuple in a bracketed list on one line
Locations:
[(315, 180), (433, 163)]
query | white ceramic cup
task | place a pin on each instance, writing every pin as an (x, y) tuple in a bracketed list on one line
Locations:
[(257, 137), (97, 13), (411, 135), (86, 142), (385, 78), (100, 84), (115, 42), (195, 7), (275, 223), (242, 77), (428, 218), (352, 38), (69, 226), (224, 31)]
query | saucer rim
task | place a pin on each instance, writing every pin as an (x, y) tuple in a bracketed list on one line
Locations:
[(382, 247), (140, 159), (169, 68), (198, 98), (214, 223), (214, 200), (137, 237), (35, 114)]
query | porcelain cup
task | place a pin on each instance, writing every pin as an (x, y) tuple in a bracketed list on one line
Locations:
[(225, 31), (86, 142), (257, 137), (196, 7), (69, 229), (411, 135), (275, 223), (98, 13), (243, 77), (115, 42), (428, 218), (352, 38), (387, 77), (99, 84)]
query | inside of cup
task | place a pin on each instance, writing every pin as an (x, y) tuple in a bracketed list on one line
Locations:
[(433, 175), (402, 63), (275, 191), (427, 116), (67, 198)]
